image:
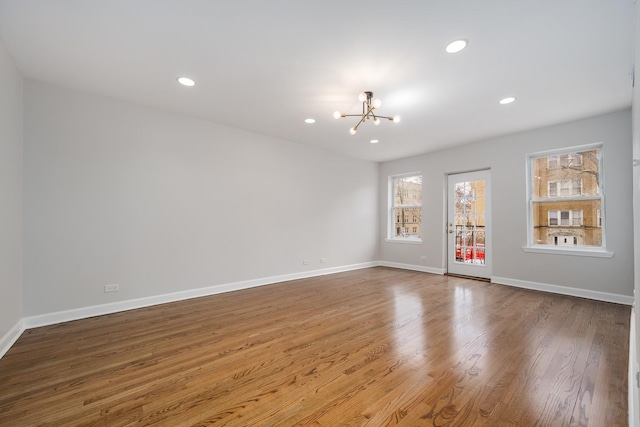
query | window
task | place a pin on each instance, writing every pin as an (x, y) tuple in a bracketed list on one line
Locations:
[(566, 199), (565, 188), (567, 218), (564, 160), (405, 200)]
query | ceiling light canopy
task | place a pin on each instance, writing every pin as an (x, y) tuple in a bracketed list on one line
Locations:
[(368, 105), (456, 46), (186, 81)]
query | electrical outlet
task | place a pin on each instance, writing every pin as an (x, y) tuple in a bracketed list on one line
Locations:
[(323, 260), (305, 262), (423, 257), (111, 288)]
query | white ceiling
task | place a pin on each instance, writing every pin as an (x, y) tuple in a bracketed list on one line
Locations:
[(265, 66)]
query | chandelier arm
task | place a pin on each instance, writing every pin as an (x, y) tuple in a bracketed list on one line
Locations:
[(359, 123), (380, 117), (360, 115), (370, 111)]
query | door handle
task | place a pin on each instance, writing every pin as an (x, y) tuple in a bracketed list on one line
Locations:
[(450, 231)]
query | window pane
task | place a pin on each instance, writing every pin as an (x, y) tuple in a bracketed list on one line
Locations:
[(407, 190), (567, 175), (553, 221), (469, 241), (469, 199), (407, 222)]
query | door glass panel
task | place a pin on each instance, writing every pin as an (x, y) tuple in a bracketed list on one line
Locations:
[(470, 222)]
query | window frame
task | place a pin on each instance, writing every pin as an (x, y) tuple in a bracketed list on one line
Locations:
[(391, 211), (591, 251)]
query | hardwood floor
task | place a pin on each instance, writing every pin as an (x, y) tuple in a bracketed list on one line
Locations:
[(374, 347)]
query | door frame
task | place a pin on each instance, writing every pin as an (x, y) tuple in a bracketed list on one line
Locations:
[(484, 271)]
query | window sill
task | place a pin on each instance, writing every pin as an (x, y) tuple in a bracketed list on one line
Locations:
[(596, 253), (409, 241)]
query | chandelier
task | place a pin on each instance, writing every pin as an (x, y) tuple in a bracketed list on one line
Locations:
[(368, 106)]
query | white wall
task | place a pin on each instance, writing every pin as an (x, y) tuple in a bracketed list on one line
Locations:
[(116, 193), (506, 158), (10, 196), (634, 404)]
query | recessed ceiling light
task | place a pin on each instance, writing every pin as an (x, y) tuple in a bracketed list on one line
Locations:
[(507, 100), (309, 121), (374, 141), (186, 81), (456, 46)]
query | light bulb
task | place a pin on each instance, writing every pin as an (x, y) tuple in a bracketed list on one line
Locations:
[(353, 131), (376, 121), (337, 115), (376, 103), (362, 97), (396, 119)]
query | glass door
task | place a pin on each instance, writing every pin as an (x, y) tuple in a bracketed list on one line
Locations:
[(469, 224)]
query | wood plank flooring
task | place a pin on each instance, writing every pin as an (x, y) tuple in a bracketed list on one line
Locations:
[(373, 347)]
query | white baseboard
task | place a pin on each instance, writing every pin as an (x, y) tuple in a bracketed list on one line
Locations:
[(413, 267), (634, 398), (11, 337), (99, 310), (564, 290)]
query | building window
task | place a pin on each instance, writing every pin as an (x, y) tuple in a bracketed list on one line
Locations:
[(564, 160), (566, 198), (565, 218), (405, 202), (568, 188)]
